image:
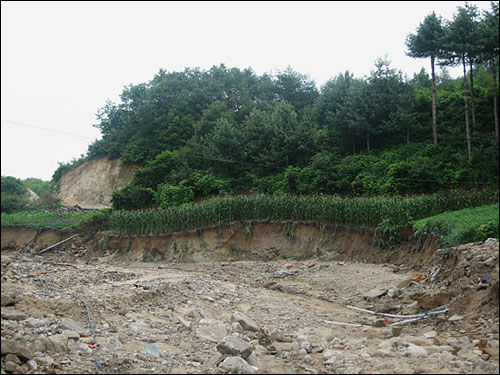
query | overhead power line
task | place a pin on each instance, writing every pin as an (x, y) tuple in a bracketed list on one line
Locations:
[(232, 161), (42, 128)]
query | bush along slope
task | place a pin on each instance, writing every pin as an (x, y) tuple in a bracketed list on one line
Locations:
[(462, 226)]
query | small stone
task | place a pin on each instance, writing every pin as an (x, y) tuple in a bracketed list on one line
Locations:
[(236, 327), (374, 293), (252, 359), (415, 351), (19, 350), (306, 346), (327, 354), (133, 329), (32, 365), (393, 292), (71, 335), (430, 334), (211, 333), (307, 358), (214, 360), (246, 323), (455, 318), (237, 365), (234, 346), (60, 340), (12, 358), (153, 350), (379, 323), (13, 367), (71, 325), (10, 314)]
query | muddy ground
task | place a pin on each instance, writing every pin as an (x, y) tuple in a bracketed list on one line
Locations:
[(235, 303)]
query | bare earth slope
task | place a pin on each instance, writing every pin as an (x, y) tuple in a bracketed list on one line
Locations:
[(91, 184)]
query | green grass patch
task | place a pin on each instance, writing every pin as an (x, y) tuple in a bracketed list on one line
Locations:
[(462, 226), (57, 220)]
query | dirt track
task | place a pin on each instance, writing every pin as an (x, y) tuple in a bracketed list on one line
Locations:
[(174, 317)]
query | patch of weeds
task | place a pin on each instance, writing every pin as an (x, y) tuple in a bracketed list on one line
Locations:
[(103, 244), (175, 247), (184, 251), (248, 229), (235, 250), (289, 256), (387, 235), (322, 239), (203, 243), (289, 233)]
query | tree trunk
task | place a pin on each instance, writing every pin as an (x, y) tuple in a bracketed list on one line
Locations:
[(467, 130), (473, 105), (408, 137), (434, 113), (495, 98), (368, 142)]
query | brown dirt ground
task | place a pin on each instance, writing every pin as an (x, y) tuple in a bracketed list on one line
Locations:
[(208, 274)]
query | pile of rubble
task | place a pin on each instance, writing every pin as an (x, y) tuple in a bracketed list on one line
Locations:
[(94, 316)]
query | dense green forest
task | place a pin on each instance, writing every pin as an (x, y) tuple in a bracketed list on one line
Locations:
[(201, 133)]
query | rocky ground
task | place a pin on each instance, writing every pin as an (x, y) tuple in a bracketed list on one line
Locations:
[(67, 314)]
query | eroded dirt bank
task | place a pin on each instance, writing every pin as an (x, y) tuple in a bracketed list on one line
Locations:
[(269, 296), (90, 185)]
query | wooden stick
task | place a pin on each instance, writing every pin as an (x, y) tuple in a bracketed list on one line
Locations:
[(51, 247)]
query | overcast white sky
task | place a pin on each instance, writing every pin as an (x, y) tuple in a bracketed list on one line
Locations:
[(61, 61)]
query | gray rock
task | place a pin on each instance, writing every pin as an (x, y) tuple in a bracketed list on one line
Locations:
[(415, 351), (252, 359), (18, 349), (12, 358), (237, 365), (306, 346), (11, 314), (71, 325), (234, 346), (133, 329), (214, 360), (327, 354), (236, 327), (61, 341), (153, 350), (71, 335), (13, 367), (393, 292), (246, 323), (211, 333), (32, 365), (35, 323), (374, 293)]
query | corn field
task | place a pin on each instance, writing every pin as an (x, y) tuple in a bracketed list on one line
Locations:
[(326, 209)]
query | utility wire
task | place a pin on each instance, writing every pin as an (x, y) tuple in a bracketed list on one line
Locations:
[(235, 162), (39, 127)]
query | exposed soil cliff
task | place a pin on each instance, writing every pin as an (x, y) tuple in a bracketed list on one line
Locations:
[(91, 184)]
